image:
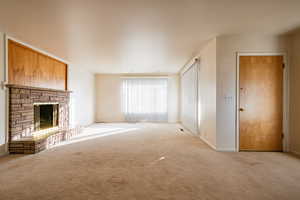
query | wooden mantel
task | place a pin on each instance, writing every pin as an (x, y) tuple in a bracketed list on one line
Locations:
[(35, 88)]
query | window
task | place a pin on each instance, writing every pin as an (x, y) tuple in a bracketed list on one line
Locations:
[(145, 99)]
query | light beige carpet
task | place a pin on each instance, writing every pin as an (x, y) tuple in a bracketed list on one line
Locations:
[(147, 161)]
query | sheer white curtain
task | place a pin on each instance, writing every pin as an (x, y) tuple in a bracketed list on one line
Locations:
[(145, 99)]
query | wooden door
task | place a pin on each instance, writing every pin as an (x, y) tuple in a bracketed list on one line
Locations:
[(261, 103)]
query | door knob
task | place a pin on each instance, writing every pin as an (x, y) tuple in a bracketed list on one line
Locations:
[(242, 109)]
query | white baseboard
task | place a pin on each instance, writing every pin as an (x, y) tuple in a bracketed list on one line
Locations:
[(208, 143), (173, 122), (226, 150)]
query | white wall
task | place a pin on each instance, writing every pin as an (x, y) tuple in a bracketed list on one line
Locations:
[(207, 91), (173, 99), (2, 97), (227, 47), (82, 85), (108, 98), (295, 94)]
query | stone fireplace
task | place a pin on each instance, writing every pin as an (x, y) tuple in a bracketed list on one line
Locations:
[(38, 118)]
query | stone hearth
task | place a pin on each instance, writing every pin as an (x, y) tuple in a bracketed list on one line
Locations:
[(23, 138)]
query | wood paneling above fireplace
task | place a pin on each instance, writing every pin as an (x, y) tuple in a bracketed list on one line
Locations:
[(28, 67)]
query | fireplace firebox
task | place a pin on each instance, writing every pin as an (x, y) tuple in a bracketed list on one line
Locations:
[(45, 116)]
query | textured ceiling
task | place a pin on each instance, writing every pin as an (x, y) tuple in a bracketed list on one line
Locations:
[(126, 36)]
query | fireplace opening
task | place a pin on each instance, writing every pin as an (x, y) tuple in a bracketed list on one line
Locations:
[(45, 116)]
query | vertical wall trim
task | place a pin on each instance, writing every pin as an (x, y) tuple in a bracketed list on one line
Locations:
[(197, 60), (286, 104), (5, 58), (6, 91)]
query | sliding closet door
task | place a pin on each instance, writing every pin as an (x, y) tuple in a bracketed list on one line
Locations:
[(189, 99)]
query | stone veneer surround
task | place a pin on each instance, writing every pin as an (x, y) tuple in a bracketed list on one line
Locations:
[(21, 109)]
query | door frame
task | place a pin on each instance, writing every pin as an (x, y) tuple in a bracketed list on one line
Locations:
[(285, 95)]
